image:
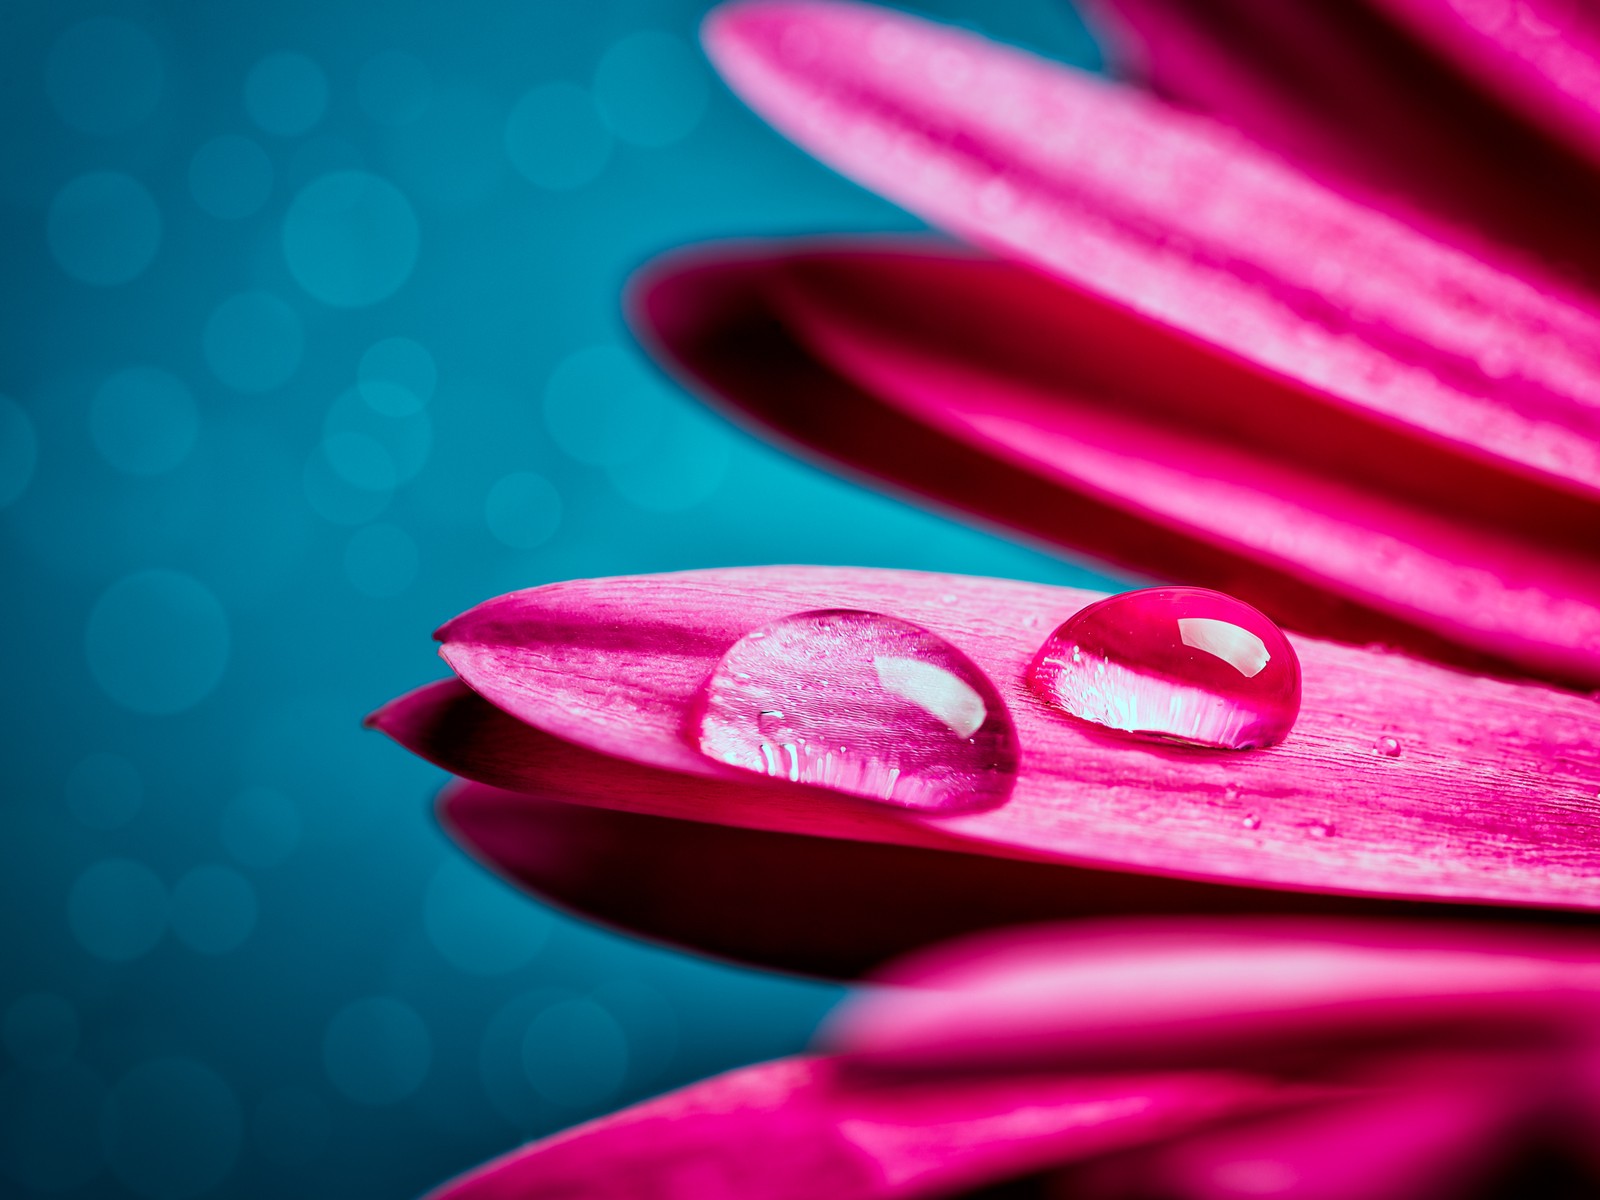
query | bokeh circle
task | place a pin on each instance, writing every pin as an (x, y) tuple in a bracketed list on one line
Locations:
[(394, 87), (575, 1054), (350, 238), (104, 76), (117, 910), (478, 923), (523, 510), (143, 420), (253, 342), (651, 88), (172, 1129), (285, 94), (103, 228), (555, 138), (214, 908), (157, 641), (377, 1050)]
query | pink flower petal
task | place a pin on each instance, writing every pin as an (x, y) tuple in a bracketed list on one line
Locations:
[(798, 1129), (1421, 1143), (1491, 799), (1185, 222), (820, 906), (1351, 94), (1114, 994), (987, 387), (1542, 56)]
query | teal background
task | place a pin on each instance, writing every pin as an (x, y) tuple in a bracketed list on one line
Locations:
[(311, 340)]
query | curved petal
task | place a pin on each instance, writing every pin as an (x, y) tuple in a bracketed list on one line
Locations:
[(821, 906), (987, 387), (801, 1128), (1542, 56), (1353, 92), (1113, 994), (1186, 222), (1491, 800)]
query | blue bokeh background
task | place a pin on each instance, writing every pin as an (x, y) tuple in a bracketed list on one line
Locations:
[(311, 340)]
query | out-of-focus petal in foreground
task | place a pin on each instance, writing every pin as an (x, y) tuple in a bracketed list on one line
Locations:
[(582, 692), (1216, 368), (1411, 1062)]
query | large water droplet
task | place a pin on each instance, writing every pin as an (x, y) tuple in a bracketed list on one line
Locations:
[(861, 703), (1181, 663)]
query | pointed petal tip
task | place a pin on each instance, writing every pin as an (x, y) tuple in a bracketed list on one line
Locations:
[(406, 718)]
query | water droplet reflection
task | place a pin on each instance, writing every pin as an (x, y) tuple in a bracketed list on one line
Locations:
[(861, 703), (1184, 664)]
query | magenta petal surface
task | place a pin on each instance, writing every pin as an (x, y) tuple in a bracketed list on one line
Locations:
[(1382, 97), (985, 386), (1189, 664), (800, 1129), (1541, 56), (1418, 1143), (1185, 222), (1493, 800)]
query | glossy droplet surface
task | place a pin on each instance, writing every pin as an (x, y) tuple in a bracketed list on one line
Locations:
[(860, 703), (1388, 747), (1179, 663)]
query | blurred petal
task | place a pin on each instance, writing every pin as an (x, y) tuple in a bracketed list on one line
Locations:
[(1541, 56), (1418, 1143), (1113, 994), (986, 387), (1352, 94), (1488, 801), (799, 1129)]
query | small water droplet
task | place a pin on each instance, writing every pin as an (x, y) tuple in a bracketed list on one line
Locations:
[(1320, 829), (1389, 747), (861, 703), (1179, 663), (1251, 821)]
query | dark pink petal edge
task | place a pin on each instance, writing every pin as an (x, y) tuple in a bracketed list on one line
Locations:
[(815, 905), (1491, 800)]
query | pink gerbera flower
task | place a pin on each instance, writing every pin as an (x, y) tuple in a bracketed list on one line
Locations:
[(1338, 357)]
